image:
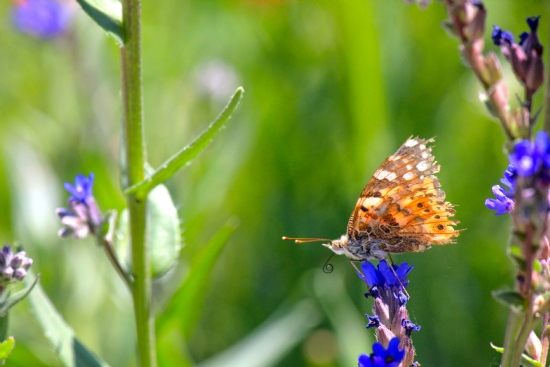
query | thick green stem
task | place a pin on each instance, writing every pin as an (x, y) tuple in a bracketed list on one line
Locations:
[(135, 171)]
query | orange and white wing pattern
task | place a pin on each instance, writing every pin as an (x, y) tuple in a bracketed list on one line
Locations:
[(402, 208)]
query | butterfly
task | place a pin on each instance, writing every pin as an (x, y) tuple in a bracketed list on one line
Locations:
[(402, 209)]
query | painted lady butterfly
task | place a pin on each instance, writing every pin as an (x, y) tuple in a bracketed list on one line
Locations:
[(402, 209)]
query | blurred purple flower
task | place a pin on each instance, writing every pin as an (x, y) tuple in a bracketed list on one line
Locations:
[(42, 18), (13, 267), (82, 189), (525, 57), (83, 216), (502, 204)]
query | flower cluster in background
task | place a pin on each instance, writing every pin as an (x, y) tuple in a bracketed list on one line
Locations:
[(528, 159), (83, 216), (43, 18), (391, 318), (14, 267)]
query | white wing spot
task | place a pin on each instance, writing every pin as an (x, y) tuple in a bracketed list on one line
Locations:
[(425, 155), (422, 166), (391, 176), (371, 201), (422, 146), (409, 167), (381, 174), (394, 158), (408, 176), (411, 143)]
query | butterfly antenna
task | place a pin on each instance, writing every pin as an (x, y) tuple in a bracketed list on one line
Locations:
[(396, 277), (305, 240), (328, 267)]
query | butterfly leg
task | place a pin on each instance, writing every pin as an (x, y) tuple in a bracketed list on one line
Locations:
[(396, 277), (359, 272)]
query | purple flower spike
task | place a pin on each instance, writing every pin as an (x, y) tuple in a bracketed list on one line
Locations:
[(82, 189), (42, 18)]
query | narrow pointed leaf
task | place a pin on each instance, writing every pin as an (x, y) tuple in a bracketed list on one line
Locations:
[(17, 297), (272, 341), (71, 352), (509, 298), (107, 14), (186, 303), (186, 155), (5, 348)]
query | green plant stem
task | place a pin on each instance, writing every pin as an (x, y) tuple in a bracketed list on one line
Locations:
[(135, 171), (520, 324)]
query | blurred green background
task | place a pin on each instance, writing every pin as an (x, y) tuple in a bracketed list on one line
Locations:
[(331, 89)]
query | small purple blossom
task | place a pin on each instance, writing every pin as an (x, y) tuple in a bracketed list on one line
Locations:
[(382, 280), (374, 321), (82, 189), (381, 357), (409, 326), (502, 204), (532, 158), (42, 18), (83, 216)]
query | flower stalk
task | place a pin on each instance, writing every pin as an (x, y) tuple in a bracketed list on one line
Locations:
[(133, 135)]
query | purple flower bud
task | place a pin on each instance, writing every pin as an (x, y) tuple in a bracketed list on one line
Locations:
[(501, 37), (17, 260), (27, 262), (7, 272), (19, 274)]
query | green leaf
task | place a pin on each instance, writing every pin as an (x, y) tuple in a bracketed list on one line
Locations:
[(107, 14), (163, 233), (273, 340), (5, 348), (186, 155), (509, 298), (186, 303), (71, 352)]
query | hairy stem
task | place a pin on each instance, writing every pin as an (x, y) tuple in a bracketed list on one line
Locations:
[(135, 171)]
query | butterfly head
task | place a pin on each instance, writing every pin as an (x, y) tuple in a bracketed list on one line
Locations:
[(338, 246)]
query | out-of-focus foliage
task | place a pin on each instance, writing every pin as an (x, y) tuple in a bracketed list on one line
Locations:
[(332, 88)]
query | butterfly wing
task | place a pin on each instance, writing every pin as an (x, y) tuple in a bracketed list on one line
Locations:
[(402, 207)]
